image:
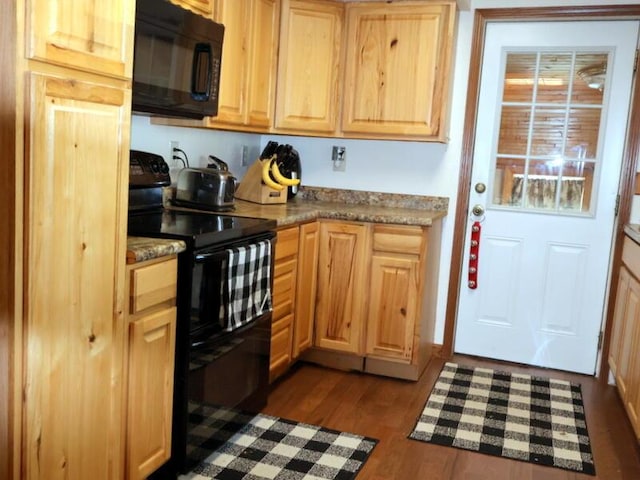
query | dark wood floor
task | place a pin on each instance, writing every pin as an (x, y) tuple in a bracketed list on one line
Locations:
[(387, 409)]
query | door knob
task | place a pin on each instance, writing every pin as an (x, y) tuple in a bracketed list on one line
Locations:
[(480, 187), (478, 210)]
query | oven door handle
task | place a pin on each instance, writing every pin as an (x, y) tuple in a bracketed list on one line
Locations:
[(204, 257)]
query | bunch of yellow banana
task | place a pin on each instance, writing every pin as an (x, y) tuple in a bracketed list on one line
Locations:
[(270, 167)]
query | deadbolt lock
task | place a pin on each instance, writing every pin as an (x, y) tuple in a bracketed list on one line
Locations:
[(477, 210), (480, 187)]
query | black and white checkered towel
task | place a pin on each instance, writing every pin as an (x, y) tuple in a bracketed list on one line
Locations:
[(246, 285)]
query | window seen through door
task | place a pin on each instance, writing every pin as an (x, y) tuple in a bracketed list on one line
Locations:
[(547, 149)]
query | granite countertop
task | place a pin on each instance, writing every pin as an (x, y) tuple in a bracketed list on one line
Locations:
[(310, 204), (140, 249), (632, 230), (313, 203)]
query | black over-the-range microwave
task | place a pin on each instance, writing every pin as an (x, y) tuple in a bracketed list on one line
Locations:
[(177, 61)]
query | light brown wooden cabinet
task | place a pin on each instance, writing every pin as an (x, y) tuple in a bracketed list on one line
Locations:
[(294, 287), (309, 69), (284, 298), (397, 65), (151, 353), (342, 281), (66, 130), (249, 61), (394, 292), (624, 361), (84, 35), (375, 306), (74, 249), (306, 288)]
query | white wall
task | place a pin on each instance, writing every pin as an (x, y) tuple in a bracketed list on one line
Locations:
[(197, 143), (394, 167)]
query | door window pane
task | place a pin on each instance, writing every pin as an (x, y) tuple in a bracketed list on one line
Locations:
[(582, 132), (576, 186), (520, 73), (589, 80), (514, 130), (504, 193), (548, 131), (541, 184), (554, 78)]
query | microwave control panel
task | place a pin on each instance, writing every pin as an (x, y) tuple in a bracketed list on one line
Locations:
[(147, 170)]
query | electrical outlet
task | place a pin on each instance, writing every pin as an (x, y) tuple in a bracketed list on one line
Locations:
[(244, 156), (339, 158), (173, 145)]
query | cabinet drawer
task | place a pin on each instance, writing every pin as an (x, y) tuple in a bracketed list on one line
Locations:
[(397, 239), (284, 287), (281, 347), (631, 256), (153, 284), (287, 243)]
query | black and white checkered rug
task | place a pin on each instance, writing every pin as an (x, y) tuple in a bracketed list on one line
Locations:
[(534, 419), (273, 448)]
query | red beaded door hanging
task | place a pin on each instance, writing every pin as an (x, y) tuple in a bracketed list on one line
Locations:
[(474, 254)]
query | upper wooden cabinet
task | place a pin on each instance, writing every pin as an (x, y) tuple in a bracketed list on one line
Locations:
[(76, 172), (398, 69), (309, 69), (93, 36), (202, 7), (249, 61)]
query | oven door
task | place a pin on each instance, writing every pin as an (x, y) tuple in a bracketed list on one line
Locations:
[(228, 372)]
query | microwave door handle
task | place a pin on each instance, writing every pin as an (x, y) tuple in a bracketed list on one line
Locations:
[(202, 59)]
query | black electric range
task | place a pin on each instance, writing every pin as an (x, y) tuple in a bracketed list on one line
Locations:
[(217, 368), (197, 229)]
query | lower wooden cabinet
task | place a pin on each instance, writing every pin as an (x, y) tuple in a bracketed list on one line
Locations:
[(294, 286), (152, 336), (342, 276), (625, 342), (375, 307), (355, 295), (306, 288), (394, 289)]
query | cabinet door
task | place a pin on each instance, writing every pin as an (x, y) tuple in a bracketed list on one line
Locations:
[(309, 65), (202, 7), (393, 301), (234, 15), (631, 374), (263, 61), (619, 324), (306, 288), (397, 68), (630, 318), (75, 211), (96, 36), (151, 363), (341, 297)]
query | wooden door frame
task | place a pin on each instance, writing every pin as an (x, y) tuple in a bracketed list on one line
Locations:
[(626, 187)]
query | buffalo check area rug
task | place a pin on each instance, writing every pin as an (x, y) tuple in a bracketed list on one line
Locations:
[(273, 448), (533, 419)]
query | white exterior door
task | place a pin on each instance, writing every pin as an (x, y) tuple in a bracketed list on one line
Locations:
[(550, 131)]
